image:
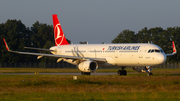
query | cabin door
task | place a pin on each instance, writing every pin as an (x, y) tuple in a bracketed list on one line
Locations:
[(141, 51)]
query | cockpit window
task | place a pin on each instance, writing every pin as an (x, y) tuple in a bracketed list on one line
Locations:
[(155, 50), (149, 51)]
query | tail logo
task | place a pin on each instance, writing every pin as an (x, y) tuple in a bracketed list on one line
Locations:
[(59, 36)]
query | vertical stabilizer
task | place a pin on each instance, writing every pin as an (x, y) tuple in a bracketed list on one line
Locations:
[(58, 32)]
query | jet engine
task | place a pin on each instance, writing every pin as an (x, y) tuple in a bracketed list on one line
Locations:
[(88, 66)]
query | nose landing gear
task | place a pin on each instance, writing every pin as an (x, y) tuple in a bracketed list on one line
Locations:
[(149, 74), (122, 72), (148, 69)]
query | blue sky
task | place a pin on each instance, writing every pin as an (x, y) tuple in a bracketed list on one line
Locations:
[(95, 21)]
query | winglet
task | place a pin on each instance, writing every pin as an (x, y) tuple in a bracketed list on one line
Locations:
[(6, 45), (174, 47), (174, 50)]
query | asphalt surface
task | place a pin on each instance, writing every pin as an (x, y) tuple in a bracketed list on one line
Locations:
[(56, 73)]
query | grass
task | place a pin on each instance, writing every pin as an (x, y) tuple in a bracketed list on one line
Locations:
[(164, 85), (46, 87), (95, 97)]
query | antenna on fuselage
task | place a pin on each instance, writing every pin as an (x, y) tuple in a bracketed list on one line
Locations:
[(150, 43)]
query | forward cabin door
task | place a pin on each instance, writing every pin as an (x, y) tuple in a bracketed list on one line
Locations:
[(141, 51), (116, 54)]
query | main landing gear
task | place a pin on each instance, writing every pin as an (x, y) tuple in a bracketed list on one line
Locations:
[(122, 72)]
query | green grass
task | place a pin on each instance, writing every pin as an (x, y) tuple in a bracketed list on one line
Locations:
[(89, 88), (162, 96), (163, 86)]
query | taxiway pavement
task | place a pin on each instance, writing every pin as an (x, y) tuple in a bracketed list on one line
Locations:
[(36, 73)]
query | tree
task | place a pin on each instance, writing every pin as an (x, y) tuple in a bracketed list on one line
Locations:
[(16, 35), (126, 36), (174, 35), (143, 36), (42, 37)]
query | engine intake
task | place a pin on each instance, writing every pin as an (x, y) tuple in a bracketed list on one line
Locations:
[(88, 66)]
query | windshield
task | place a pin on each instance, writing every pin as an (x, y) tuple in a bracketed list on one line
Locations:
[(155, 50)]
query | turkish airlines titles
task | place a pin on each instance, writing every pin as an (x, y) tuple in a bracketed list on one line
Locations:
[(123, 47)]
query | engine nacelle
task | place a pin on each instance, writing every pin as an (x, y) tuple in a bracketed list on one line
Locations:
[(88, 66)]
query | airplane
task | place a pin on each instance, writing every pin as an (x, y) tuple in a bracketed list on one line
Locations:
[(88, 57)]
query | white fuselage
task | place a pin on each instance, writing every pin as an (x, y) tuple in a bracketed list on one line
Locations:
[(115, 54)]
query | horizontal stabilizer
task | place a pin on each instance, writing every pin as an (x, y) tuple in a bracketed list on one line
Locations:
[(60, 59), (39, 57)]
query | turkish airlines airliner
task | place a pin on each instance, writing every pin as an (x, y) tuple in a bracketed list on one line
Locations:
[(87, 57)]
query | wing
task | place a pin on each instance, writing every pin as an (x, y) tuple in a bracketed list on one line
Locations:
[(52, 55), (174, 50), (39, 49)]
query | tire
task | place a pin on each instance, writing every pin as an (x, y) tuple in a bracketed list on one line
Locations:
[(150, 74), (119, 72), (124, 72), (88, 73)]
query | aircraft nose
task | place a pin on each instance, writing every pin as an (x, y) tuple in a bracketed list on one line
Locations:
[(161, 58)]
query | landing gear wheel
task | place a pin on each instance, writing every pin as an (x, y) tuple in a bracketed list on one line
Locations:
[(85, 73), (149, 74), (122, 72), (119, 72)]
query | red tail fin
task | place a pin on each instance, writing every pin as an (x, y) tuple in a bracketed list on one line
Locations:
[(58, 32)]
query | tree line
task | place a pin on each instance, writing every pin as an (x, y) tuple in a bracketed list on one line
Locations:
[(18, 36), (41, 35)]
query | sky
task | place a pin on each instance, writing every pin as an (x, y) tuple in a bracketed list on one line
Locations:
[(94, 21)]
